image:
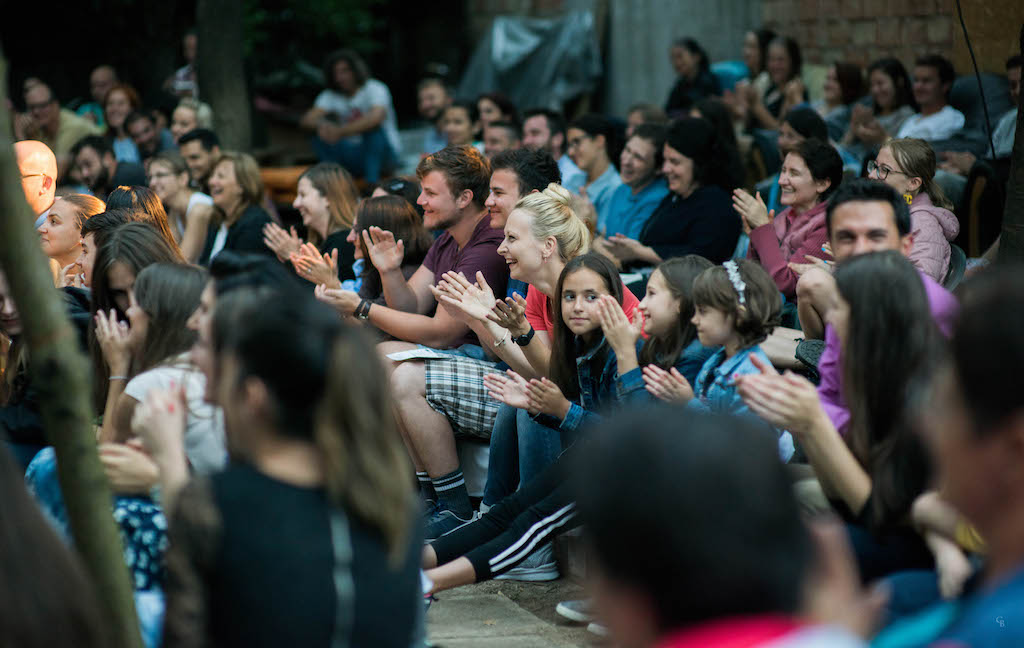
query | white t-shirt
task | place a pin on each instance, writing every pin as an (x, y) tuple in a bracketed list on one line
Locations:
[(942, 125), (198, 198), (1006, 130), (204, 424), (372, 94)]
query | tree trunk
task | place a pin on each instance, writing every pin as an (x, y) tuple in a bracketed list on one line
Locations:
[(1011, 244), (60, 373), (221, 70)]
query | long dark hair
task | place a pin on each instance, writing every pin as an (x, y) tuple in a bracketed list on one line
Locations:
[(136, 245), (347, 415), (143, 199), (393, 214), (47, 598), (891, 346), (693, 47), (679, 274), (168, 293), (564, 344), (904, 91)]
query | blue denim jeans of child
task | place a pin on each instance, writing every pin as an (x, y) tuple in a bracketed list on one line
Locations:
[(521, 449)]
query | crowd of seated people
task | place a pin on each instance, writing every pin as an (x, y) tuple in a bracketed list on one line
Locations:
[(609, 304)]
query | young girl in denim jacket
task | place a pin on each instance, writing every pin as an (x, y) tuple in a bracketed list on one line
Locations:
[(584, 363), (737, 306), (667, 311)]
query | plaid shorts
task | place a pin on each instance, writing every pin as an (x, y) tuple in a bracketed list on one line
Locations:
[(455, 388)]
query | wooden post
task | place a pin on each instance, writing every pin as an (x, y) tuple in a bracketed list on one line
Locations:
[(1011, 243), (221, 71), (60, 374)]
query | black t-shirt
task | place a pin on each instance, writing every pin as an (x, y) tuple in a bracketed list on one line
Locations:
[(259, 562), (704, 223)]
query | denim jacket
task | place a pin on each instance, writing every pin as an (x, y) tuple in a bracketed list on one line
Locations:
[(600, 392), (597, 387), (631, 384), (715, 389)]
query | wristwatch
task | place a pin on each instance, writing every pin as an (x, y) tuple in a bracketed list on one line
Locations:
[(523, 340), (363, 310)]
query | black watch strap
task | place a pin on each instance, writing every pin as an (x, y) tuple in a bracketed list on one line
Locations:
[(523, 340)]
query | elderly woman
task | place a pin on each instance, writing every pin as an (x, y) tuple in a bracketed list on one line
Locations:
[(236, 190)]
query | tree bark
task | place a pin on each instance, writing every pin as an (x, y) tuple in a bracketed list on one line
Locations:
[(1011, 243), (221, 70), (60, 373)]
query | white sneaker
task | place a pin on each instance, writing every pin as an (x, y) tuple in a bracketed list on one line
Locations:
[(581, 611), (539, 566), (596, 628)]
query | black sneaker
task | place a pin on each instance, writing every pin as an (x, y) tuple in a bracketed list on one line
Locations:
[(443, 522)]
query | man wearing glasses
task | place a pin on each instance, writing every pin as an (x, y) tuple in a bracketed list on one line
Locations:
[(44, 120), (38, 168)]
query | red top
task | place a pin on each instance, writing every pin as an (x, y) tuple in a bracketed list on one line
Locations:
[(539, 316), (738, 632)]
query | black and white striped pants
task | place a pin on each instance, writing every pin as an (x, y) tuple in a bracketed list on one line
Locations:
[(505, 535)]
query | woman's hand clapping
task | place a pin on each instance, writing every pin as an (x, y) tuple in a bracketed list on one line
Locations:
[(317, 268), (751, 209), (283, 244)]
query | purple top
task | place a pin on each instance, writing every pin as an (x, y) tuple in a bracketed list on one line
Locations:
[(944, 308), (479, 254)]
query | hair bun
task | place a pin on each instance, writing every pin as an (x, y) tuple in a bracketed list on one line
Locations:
[(559, 193)]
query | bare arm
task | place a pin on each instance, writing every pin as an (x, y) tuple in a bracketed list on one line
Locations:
[(439, 331), (366, 122), (197, 222), (311, 120)]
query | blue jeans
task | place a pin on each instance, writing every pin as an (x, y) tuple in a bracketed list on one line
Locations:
[(521, 449), (366, 157)]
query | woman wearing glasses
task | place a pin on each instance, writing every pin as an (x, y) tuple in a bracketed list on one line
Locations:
[(789, 243), (188, 211), (908, 166)]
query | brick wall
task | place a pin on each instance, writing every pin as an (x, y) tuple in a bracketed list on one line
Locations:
[(863, 30)]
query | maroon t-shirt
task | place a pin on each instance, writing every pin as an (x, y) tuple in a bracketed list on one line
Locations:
[(480, 254)]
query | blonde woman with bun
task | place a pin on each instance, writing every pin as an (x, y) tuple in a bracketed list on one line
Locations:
[(542, 234)]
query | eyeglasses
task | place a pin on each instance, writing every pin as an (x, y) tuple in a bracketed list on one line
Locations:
[(881, 170)]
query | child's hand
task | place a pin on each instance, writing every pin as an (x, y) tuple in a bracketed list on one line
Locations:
[(620, 333), (546, 397), (511, 389), (669, 386)]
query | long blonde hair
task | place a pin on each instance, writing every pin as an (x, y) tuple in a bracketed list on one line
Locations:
[(917, 159), (553, 215)]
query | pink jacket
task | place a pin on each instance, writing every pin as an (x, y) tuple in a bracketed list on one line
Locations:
[(789, 238), (933, 228)]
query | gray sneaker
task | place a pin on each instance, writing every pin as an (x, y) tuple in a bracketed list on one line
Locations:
[(538, 567), (581, 611)]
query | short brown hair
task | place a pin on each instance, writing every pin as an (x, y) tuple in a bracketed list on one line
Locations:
[(762, 309), (463, 167)]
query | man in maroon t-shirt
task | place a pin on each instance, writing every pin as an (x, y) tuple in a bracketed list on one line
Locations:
[(455, 183)]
